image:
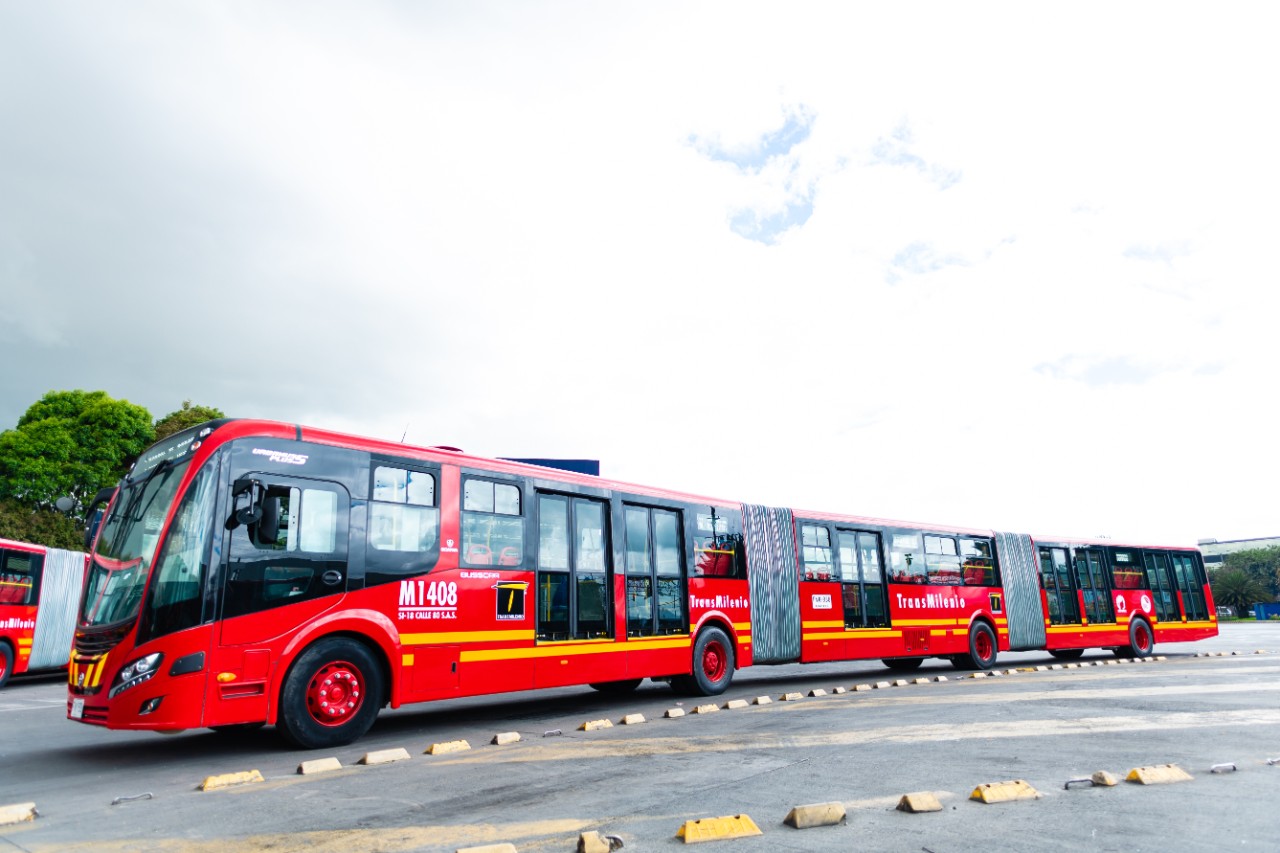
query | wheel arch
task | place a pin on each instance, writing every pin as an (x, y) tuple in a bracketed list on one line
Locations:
[(716, 619), (361, 626), (1002, 642)]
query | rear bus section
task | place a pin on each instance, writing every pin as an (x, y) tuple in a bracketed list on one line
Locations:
[(39, 588), (1125, 598)]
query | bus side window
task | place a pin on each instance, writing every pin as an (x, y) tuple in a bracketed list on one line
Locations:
[(979, 568), (492, 523)]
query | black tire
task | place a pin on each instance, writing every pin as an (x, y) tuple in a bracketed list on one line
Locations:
[(617, 687), (982, 648), (712, 666), (1142, 641), (6, 663), (1066, 654), (331, 695), (902, 664)]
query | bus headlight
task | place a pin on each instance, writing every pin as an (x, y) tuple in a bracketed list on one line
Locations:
[(135, 672)]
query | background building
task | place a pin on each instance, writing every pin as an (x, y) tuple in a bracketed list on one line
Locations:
[(1214, 551)]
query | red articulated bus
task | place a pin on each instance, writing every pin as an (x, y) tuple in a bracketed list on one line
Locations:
[(250, 572), (39, 588)]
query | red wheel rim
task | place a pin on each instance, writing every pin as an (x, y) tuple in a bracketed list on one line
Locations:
[(335, 693), (714, 661), (982, 644), (1143, 636)]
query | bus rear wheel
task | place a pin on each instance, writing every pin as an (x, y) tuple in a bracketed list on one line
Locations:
[(982, 648), (712, 666), (1141, 640), (6, 663), (331, 695)]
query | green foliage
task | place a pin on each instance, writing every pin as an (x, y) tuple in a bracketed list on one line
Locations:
[(1237, 589), (71, 443), (1261, 564), (187, 416), (41, 527)]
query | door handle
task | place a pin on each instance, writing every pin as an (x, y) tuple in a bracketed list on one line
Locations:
[(331, 577)]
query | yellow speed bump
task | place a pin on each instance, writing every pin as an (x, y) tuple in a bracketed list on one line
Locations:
[(632, 719), (1004, 792), (448, 746), (226, 780), (718, 829), (319, 765), (791, 697), (17, 812), (673, 713), (815, 814), (763, 700), (709, 708), (595, 725), (1159, 774), (504, 738), (920, 801), (384, 756), (733, 704)]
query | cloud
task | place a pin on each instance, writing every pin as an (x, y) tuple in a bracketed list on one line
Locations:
[(853, 258)]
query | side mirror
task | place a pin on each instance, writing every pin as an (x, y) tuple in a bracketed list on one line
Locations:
[(94, 515), (247, 496)]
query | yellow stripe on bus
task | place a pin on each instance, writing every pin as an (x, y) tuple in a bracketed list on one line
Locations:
[(465, 637), (860, 634), (742, 626), (573, 649)]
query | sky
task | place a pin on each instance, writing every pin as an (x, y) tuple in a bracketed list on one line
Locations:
[(1000, 265)]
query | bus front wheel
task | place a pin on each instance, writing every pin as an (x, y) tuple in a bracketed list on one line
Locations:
[(712, 666), (331, 695)]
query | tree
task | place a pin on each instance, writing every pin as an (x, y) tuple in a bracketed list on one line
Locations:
[(71, 443), (1261, 564), (187, 416), (1236, 589), (41, 526)]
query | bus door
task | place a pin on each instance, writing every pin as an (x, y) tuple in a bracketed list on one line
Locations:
[(574, 588), (1160, 581), (862, 581), (287, 556), (1190, 585), (1060, 591), (1092, 580)]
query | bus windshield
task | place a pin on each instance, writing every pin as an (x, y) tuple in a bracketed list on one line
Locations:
[(127, 544)]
